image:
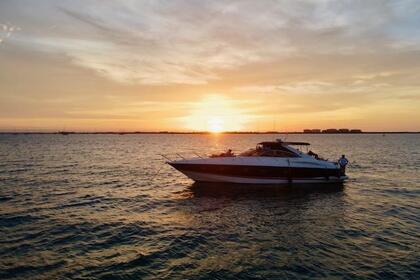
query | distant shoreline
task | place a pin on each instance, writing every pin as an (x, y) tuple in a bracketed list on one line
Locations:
[(206, 132)]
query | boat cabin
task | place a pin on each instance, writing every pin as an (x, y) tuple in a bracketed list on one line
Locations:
[(274, 149)]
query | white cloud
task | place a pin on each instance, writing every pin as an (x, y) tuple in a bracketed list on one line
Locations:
[(371, 76), (191, 42), (315, 87), (6, 30)]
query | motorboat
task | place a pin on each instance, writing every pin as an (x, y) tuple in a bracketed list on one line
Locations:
[(271, 162)]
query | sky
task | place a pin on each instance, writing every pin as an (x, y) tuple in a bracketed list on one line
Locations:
[(246, 65)]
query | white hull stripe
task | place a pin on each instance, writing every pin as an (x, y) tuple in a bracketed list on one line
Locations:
[(206, 177)]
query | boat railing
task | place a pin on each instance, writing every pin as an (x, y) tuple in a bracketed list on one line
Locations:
[(178, 156)]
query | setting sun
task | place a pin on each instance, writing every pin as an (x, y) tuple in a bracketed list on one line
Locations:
[(215, 113), (215, 124)]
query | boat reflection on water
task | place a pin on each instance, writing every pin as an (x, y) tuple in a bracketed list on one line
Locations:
[(276, 215), (203, 189)]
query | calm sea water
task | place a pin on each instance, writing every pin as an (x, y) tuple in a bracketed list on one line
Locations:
[(107, 207)]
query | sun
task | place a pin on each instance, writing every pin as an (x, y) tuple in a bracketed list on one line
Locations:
[(214, 113), (215, 124)]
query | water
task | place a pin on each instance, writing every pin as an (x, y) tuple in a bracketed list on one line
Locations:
[(107, 207)]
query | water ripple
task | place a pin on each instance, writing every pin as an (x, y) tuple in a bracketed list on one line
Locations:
[(107, 207)]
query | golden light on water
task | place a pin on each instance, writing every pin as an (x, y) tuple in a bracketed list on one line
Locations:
[(214, 113)]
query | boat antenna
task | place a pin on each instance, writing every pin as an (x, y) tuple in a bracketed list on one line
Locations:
[(276, 133)]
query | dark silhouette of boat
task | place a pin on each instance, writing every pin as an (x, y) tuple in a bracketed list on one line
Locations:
[(65, 132), (272, 162)]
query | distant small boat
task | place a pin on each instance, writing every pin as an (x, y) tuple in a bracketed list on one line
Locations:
[(64, 132), (273, 162)]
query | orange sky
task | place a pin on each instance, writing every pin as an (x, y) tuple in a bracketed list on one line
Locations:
[(209, 65)]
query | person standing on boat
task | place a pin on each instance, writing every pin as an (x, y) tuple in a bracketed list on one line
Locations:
[(343, 162)]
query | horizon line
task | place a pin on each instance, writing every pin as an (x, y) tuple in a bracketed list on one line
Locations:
[(203, 132)]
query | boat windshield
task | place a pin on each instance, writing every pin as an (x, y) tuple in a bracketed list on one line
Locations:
[(259, 152)]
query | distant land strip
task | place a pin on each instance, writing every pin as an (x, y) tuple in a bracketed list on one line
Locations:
[(205, 132)]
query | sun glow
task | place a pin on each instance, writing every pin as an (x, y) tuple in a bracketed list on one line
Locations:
[(215, 124), (214, 113)]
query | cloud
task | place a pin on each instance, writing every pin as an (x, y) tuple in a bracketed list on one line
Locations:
[(312, 87), (6, 30), (371, 76), (189, 42), (299, 87)]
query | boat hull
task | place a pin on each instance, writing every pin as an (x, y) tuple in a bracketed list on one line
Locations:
[(258, 174), (214, 178)]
